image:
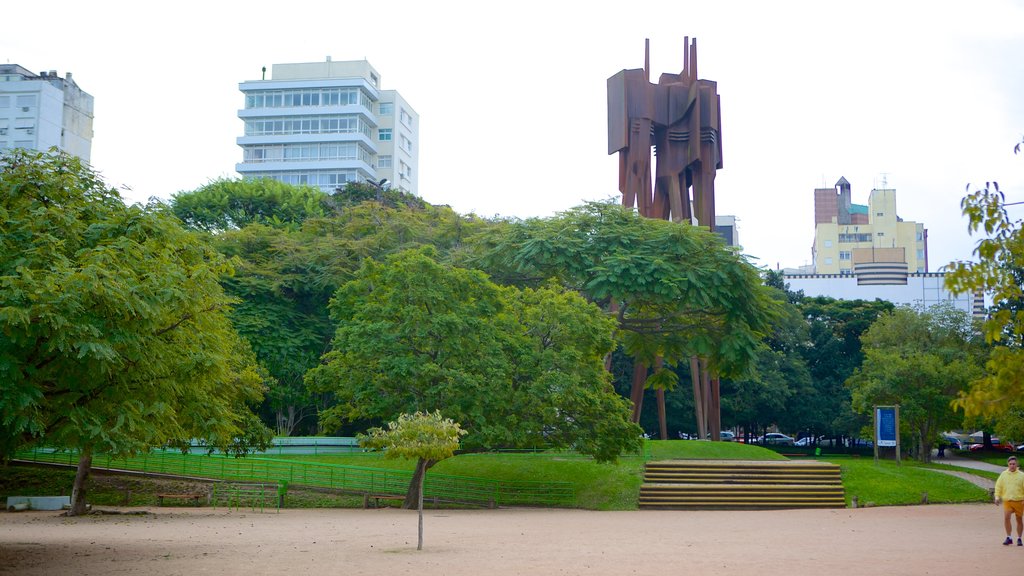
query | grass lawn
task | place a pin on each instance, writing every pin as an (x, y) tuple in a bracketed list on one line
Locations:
[(610, 486), (886, 484)]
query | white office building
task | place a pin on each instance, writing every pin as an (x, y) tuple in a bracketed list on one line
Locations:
[(922, 289), (326, 124), (40, 111)]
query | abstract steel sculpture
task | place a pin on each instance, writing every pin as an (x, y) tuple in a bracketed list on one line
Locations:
[(680, 117)]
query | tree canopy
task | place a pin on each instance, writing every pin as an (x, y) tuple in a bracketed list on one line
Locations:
[(427, 438), (116, 331), (518, 368), (999, 393), (920, 360), (231, 204)]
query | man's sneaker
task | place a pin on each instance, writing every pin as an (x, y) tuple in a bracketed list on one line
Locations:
[(1008, 541), (1019, 543)]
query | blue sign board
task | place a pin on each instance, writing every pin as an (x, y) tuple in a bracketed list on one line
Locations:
[(885, 425)]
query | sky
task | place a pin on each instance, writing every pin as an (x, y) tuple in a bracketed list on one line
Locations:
[(926, 97)]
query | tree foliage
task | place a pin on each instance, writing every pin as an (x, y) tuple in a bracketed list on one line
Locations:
[(231, 204), (518, 368), (920, 360), (288, 265), (679, 291), (115, 329), (998, 395), (427, 438)]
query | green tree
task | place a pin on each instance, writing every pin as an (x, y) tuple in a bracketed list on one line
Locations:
[(832, 352), (996, 395), (676, 291), (229, 204), (518, 368), (290, 256), (426, 437), (920, 360), (778, 389), (116, 336)]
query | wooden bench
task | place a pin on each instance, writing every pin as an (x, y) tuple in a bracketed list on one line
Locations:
[(378, 497), (193, 496)]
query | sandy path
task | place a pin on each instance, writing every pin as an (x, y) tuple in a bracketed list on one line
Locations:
[(935, 540)]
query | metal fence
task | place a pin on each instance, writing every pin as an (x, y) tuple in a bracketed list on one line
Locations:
[(354, 479)]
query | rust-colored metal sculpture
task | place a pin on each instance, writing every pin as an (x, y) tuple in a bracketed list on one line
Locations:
[(680, 117)]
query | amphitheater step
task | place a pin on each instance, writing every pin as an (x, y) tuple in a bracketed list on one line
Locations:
[(708, 484)]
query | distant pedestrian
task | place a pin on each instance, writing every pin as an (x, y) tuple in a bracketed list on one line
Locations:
[(1010, 491)]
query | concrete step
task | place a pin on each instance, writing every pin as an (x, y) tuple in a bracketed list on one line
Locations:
[(702, 484)]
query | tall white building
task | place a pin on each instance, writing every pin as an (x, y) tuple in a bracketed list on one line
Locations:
[(326, 124), (39, 111)]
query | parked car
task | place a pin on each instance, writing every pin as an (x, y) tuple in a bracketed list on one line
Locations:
[(996, 445), (727, 436), (806, 442), (776, 438), (951, 442)]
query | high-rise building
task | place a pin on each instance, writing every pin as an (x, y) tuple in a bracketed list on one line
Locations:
[(40, 111), (856, 239), (326, 124)]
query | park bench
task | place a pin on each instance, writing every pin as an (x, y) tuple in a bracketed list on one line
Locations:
[(249, 494), (376, 499), (193, 496)]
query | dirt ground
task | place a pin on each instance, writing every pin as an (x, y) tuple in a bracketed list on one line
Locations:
[(934, 540)]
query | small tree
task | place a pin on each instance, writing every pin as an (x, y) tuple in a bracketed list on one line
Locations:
[(426, 436)]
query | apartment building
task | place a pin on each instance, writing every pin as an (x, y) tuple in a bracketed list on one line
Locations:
[(326, 124), (40, 111), (848, 236)]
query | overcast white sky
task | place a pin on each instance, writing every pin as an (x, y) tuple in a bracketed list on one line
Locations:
[(512, 96)]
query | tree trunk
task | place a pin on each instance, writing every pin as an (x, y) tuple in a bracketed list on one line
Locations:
[(698, 398), (637, 392), (413, 496), (78, 489), (419, 541)]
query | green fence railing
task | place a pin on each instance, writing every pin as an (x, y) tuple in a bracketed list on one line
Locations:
[(356, 479)]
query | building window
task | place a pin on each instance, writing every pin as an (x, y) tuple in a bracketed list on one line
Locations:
[(879, 213), (26, 100), (881, 233), (386, 109), (384, 162), (828, 243), (844, 255), (828, 261), (920, 254), (406, 144), (920, 236), (406, 118), (384, 134), (5, 101)]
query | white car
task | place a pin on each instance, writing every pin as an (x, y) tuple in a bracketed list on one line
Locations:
[(727, 436), (776, 438), (805, 442)]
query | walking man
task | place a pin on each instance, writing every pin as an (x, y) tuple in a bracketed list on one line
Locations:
[(1010, 491)]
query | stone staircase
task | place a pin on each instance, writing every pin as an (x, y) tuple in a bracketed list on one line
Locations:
[(741, 485)]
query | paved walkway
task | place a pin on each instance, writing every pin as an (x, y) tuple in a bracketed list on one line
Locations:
[(959, 461)]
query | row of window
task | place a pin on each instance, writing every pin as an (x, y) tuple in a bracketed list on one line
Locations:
[(20, 101), (855, 237), (845, 255), (307, 97), (323, 179), (306, 152), (307, 125)]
